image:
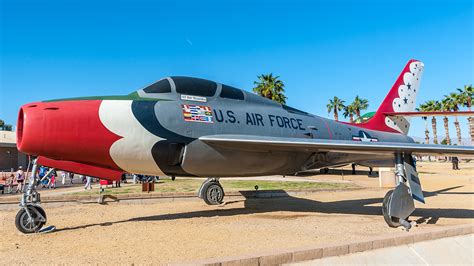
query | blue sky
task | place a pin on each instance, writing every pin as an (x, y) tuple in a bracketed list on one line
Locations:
[(56, 49)]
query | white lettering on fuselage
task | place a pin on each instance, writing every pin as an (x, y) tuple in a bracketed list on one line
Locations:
[(259, 120)]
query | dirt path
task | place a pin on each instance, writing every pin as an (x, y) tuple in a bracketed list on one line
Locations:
[(185, 231)]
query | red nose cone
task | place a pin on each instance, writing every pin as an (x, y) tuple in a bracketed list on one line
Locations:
[(66, 130)]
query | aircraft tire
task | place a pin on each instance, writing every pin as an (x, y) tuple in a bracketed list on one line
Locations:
[(391, 221), (23, 224), (213, 193)]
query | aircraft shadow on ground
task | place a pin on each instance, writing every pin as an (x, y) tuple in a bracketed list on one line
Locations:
[(292, 204), (339, 172)]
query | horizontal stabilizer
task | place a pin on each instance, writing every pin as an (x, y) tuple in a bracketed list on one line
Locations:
[(435, 113)]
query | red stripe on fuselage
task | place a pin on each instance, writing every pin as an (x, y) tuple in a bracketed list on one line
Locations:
[(329, 129)]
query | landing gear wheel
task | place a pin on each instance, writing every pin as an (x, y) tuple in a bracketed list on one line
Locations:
[(26, 225), (391, 221), (213, 193)]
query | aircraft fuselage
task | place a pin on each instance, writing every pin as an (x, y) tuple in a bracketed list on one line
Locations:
[(158, 133)]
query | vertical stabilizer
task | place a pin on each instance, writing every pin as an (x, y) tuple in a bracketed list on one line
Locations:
[(401, 98)]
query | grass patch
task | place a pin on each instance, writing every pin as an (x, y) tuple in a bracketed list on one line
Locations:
[(192, 185)]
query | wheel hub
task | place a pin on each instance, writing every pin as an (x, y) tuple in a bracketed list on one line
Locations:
[(215, 194)]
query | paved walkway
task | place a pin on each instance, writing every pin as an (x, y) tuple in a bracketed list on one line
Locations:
[(458, 250)]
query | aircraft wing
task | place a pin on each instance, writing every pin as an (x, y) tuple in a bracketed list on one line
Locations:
[(250, 142)]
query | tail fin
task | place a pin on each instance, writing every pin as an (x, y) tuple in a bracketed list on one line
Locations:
[(401, 98)]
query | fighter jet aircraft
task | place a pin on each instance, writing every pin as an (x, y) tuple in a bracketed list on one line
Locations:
[(182, 126)]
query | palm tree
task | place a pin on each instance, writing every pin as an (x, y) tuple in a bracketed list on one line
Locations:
[(360, 104), (349, 111), (335, 105), (433, 106), (447, 106), (466, 98), (6, 127), (422, 108), (454, 102), (270, 87)]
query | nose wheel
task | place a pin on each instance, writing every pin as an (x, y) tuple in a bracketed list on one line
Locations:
[(30, 219), (211, 192)]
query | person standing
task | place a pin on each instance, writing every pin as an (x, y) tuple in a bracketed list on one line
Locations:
[(353, 168), (20, 179), (52, 181), (63, 175), (88, 183), (9, 183), (42, 173), (455, 162)]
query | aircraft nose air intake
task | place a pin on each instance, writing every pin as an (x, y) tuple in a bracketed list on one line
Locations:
[(29, 129), (19, 128)]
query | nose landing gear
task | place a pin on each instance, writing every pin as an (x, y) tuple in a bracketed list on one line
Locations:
[(211, 192), (31, 217)]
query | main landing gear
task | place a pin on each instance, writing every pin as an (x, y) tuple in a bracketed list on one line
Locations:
[(31, 217), (211, 192), (398, 203)]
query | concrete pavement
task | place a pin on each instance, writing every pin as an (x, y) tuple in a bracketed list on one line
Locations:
[(457, 250)]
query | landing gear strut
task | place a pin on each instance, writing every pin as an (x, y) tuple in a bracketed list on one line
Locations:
[(31, 217), (398, 203), (211, 192)]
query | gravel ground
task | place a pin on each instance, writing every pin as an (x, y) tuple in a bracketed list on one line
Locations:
[(185, 231)]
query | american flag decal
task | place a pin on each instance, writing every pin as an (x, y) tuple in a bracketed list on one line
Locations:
[(197, 113)]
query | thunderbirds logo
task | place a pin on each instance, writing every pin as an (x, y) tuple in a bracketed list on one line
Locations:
[(364, 137), (405, 102)]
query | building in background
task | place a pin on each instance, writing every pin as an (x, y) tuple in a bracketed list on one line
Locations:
[(10, 157)]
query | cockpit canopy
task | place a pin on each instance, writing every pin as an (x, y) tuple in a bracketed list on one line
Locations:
[(179, 87), (194, 87)]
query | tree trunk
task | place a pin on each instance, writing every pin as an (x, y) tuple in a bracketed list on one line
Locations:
[(351, 118), (427, 132), (446, 128), (458, 130), (471, 127), (336, 115), (435, 131)]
